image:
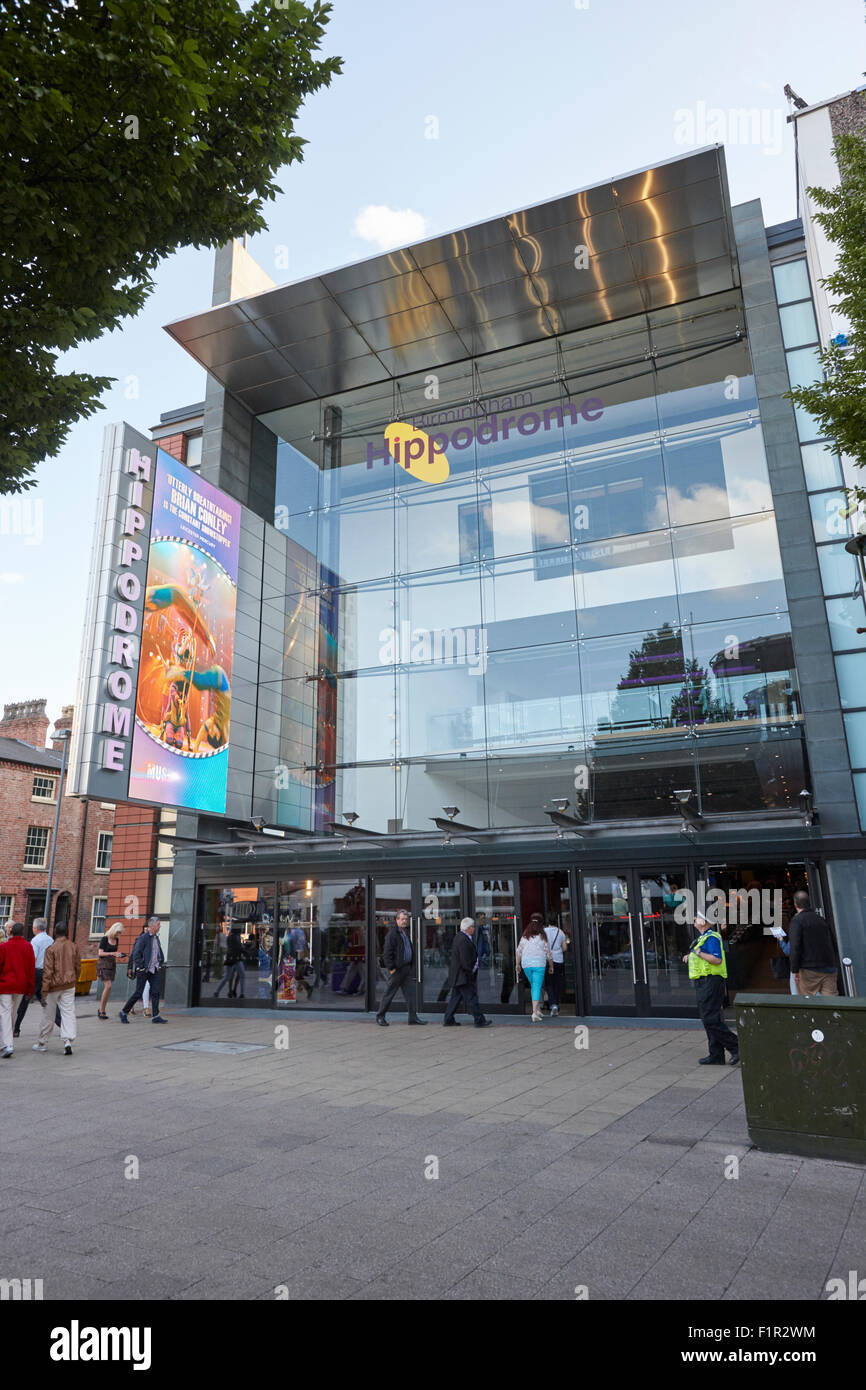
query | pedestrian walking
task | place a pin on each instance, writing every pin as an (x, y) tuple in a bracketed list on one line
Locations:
[(145, 962), (463, 978), (706, 962), (400, 963), (40, 942), (59, 977), (17, 979), (108, 955), (813, 956), (534, 958), (557, 941)]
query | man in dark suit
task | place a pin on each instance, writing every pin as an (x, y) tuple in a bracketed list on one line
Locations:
[(145, 962), (399, 961), (463, 978)]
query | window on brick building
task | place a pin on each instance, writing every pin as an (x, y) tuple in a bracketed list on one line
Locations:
[(193, 451), (7, 902), (97, 916), (44, 788), (36, 847), (103, 851)]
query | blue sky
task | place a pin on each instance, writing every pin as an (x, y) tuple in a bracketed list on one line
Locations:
[(530, 101)]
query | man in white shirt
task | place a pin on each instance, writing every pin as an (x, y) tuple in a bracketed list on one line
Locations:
[(555, 983), (40, 942)]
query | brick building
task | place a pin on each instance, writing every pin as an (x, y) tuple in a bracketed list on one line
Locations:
[(29, 787)]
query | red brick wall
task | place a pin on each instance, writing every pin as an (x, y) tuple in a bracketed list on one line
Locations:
[(132, 869), (17, 812), (174, 444), (93, 883)]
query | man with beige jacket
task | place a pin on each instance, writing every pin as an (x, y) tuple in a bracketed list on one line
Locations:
[(59, 978)]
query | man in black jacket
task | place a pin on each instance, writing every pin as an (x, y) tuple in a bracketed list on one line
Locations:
[(145, 962), (813, 959), (399, 961), (463, 978)]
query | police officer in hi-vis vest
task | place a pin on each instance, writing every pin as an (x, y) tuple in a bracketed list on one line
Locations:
[(706, 962)]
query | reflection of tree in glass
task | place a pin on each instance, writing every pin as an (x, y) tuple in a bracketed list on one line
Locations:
[(658, 665), (696, 703)]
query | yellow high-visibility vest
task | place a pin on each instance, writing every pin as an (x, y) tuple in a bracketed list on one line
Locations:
[(697, 967)]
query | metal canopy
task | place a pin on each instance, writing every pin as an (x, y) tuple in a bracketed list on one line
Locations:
[(757, 826), (657, 237)]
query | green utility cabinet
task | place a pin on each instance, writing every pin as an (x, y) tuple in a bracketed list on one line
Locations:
[(804, 1074)]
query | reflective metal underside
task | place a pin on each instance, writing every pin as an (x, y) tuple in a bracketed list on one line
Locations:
[(650, 239)]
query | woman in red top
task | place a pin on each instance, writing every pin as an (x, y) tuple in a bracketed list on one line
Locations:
[(17, 978)]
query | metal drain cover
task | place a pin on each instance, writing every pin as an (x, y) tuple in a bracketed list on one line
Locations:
[(200, 1045)]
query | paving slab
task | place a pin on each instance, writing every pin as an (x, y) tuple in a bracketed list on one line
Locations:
[(304, 1174)]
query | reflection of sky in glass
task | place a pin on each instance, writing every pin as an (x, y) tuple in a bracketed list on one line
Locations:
[(603, 530)]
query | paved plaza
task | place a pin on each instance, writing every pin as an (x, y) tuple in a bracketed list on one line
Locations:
[(302, 1172)]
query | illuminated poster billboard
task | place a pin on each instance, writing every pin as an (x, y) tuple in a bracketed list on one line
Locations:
[(183, 699)]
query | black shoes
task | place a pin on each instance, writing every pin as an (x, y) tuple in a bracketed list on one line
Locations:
[(712, 1061), (735, 1057), (422, 1021), (484, 1023), (451, 1023), (382, 1022)]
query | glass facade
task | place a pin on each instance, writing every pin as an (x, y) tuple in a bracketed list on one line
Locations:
[(299, 941), (835, 518), (589, 606)]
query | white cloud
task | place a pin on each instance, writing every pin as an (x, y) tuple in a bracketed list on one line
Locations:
[(518, 518), (11, 577), (388, 227)]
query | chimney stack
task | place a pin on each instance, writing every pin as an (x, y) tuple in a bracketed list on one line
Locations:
[(26, 721), (64, 722)]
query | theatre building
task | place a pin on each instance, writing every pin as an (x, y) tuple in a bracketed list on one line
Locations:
[(542, 604)]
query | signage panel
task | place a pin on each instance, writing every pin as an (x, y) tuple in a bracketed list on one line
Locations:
[(183, 702)]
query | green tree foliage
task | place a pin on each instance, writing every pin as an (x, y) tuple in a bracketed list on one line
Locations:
[(130, 128), (839, 401)]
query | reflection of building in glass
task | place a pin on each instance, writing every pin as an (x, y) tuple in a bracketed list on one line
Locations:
[(596, 606)]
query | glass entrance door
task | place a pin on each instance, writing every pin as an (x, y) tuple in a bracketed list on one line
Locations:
[(666, 932), (615, 969), (638, 925), (496, 909), (440, 911), (549, 895), (435, 908), (389, 899), (321, 948)]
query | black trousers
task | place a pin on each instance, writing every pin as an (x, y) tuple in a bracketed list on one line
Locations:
[(28, 998), (554, 983), (710, 990), (404, 979), (141, 979), (464, 997)]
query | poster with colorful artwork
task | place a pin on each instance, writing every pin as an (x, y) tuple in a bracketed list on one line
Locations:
[(183, 701)]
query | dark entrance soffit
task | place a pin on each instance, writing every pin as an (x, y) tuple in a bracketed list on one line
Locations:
[(655, 237), (757, 827)]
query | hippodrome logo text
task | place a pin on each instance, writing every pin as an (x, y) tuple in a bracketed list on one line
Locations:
[(424, 457)]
